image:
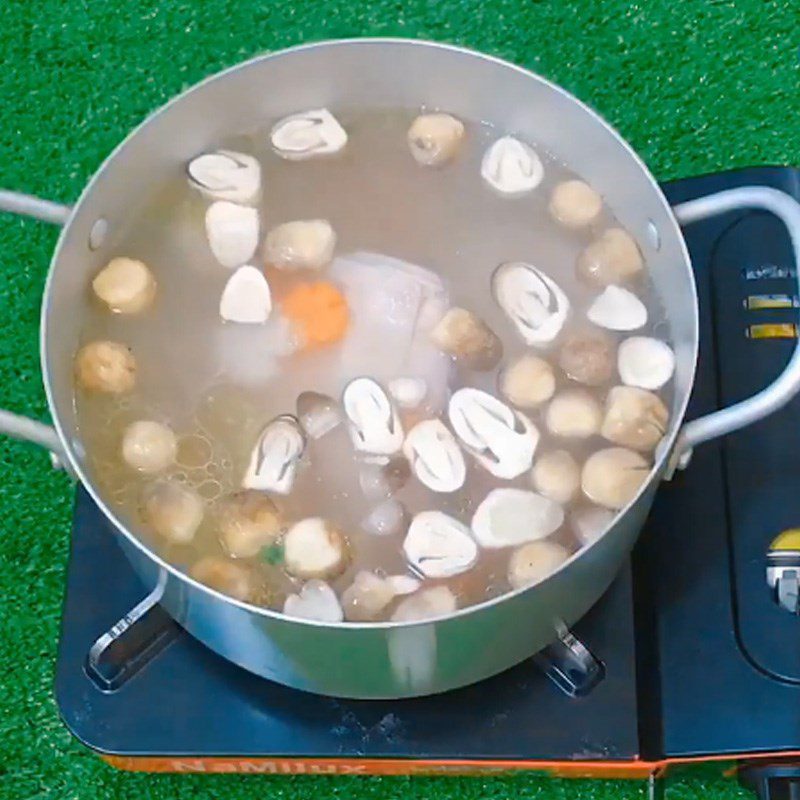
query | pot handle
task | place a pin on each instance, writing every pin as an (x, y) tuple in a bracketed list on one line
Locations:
[(15, 425), (787, 384)]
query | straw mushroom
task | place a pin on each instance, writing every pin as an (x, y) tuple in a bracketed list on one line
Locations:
[(225, 576), (435, 457), (438, 546), (381, 481), (556, 475), (512, 167), (574, 414), (408, 392), (105, 366), (617, 309), (232, 232), (125, 285), (468, 339), (575, 204), (226, 175), (307, 135), (436, 601), (315, 548), (248, 521), (589, 522), (301, 244), (535, 561), (246, 297), (434, 139), (315, 601), (318, 414), (388, 518), (612, 477), (274, 460), (527, 382), (368, 596), (172, 510), (149, 446), (508, 517), (614, 257), (533, 302), (634, 418), (374, 425), (587, 357), (645, 362)]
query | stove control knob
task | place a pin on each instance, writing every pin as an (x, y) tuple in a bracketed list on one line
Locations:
[(783, 569)]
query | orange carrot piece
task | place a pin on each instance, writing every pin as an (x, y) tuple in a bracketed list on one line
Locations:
[(319, 310)]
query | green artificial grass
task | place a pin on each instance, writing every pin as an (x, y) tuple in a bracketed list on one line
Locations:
[(696, 86)]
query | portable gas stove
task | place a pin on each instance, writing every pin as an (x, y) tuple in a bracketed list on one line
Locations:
[(690, 656)]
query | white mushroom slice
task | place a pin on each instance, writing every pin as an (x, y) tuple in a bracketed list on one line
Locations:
[(502, 440), (533, 302), (367, 597), (125, 285), (105, 366), (386, 519), (435, 457), (645, 362), (308, 134), (588, 357), (575, 204), (408, 392), (574, 414), (437, 601), (302, 244), (381, 481), (612, 258), (273, 463), (173, 511), (590, 522), (374, 425), (226, 175), (149, 446), (468, 339), (314, 548), (248, 521), (403, 584), (435, 138), (612, 477), (315, 601), (512, 167), (232, 232), (246, 297), (634, 418), (528, 382), (508, 517), (318, 414), (438, 546), (556, 475), (224, 575), (618, 309), (534, 562)]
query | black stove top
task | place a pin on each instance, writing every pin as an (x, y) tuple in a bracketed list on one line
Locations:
[(696, 656)]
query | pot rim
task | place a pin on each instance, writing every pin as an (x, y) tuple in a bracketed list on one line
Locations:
[(664, 450)]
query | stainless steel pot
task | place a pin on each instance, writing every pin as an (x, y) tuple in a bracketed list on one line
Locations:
[(387, 659)]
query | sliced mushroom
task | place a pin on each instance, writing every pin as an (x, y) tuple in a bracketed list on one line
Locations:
[(315, 601), (435, 457), (589, 522), (226, 175), (533, 302), (388, 518), (149, 446), (556, 475), (618, 309), (438, 545), (508, 517), (587, 357), (403, 584), (436, 601), (172, 510), (645, 362), (246, 297), (575, 204), (105, 366), (318, 413), (534, 562), (612, 477), (468, 339), (501, 440), (314, 548), (575, 414), (612, 258), (307, 135), (634, 418), (302, 244), (435, 138), (527, 382), (369, 595), (125, 285), (232, 232), (512, 167), (374, 425), (225, 576), (248, 521), (381, 481), (273, 463), (408, 392)]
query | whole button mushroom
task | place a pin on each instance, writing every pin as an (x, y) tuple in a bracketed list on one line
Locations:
[(645, 362), (575, 204), (612, 258), (301, 244), (388, 518), (588, 357), (308, 134), (589, 523), (527, 382), (246, 298), (374, 425), (318, 414), (439, 546), (408, 392), (436, 601), (535, 561), (248, 521), (574, 414), (149, 446), (172, 510), (634, 418), (468, 339), (315, 601), (556, 475), (314, 548), (232, 232), (276, 455), (105, 366), (225, 576), (512, 167), (125, 285), (617, 309), (435, 457), (226, 175), (381, 481), (434, 139), (612, 477), (508, 517)]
